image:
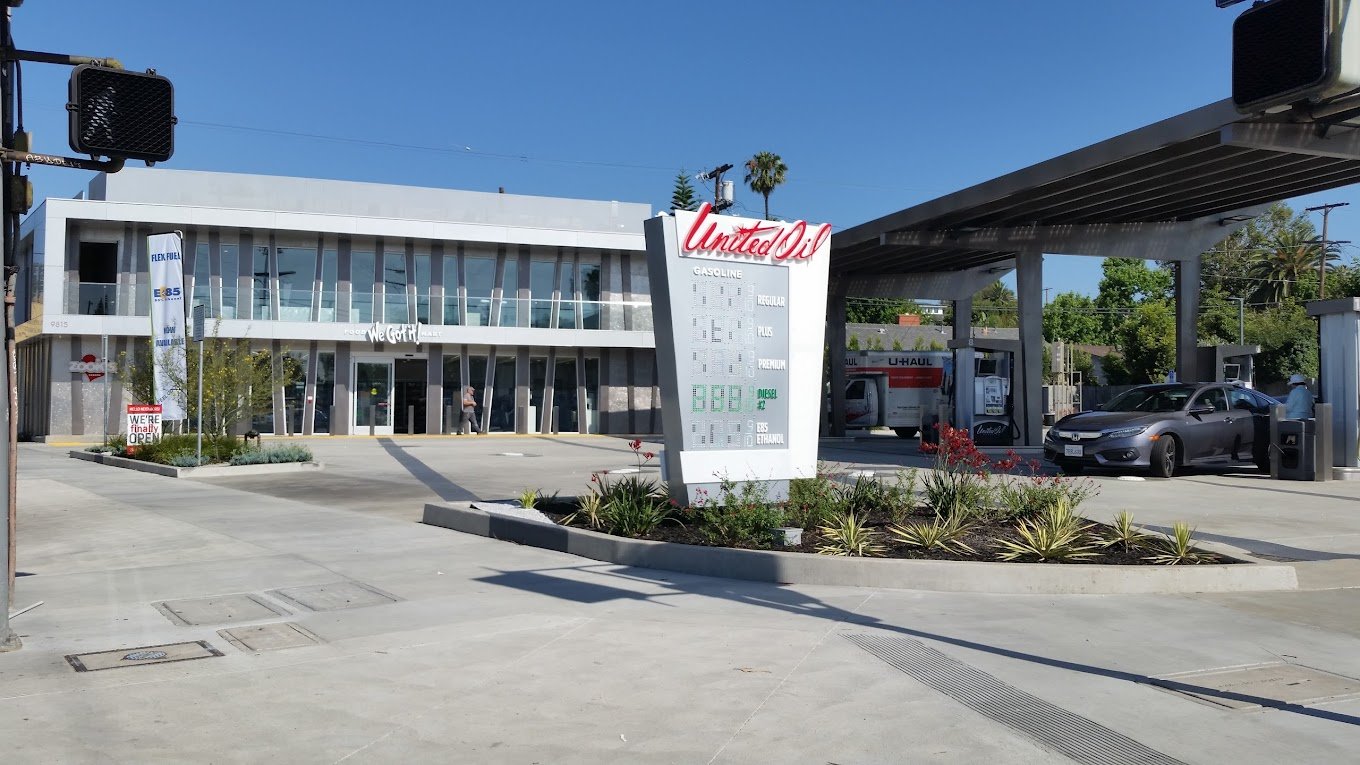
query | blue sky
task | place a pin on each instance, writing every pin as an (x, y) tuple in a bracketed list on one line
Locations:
[(874, 106)]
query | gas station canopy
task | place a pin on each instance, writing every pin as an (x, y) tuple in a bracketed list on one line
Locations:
[(1204, 163)]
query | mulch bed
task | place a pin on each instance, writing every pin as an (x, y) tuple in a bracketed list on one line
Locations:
[(981, 537)]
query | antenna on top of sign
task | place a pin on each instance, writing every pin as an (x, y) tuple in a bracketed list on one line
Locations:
[(722, 192)]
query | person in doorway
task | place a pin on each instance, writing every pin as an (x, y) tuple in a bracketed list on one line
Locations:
[(469, 418), (1299, 404)]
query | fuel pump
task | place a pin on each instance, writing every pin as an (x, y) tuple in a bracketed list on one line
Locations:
[(994, 406)]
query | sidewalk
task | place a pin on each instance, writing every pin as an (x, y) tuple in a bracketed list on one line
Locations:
[(499, 653)]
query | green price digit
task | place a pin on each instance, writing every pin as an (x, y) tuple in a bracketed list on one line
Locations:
[(734, 398), (698, 398), (715, 402)]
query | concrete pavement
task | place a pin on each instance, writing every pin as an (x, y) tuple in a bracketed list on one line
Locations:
[(500, 653)]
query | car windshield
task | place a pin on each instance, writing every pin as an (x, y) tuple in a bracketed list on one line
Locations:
[(1155, 399)]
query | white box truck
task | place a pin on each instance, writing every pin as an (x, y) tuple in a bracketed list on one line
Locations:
[(895, 389)]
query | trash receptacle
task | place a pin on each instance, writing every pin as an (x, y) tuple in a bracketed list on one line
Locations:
[(1298, 450)]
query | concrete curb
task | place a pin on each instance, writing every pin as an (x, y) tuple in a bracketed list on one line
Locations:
[(208, 471), (802, 568)]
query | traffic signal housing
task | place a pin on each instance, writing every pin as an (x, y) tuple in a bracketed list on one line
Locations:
[(120, 114), (1287, 51)]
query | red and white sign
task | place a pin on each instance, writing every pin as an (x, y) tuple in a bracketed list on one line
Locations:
[(90, 366), (143, 424), (772, 241)]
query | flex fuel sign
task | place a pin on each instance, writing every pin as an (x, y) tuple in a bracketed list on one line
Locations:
[(739, 307)]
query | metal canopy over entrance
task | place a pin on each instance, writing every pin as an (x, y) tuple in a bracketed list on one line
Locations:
[(1167, 191)]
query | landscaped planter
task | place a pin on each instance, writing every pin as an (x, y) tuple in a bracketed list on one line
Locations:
[(803, 568), (206, 471)]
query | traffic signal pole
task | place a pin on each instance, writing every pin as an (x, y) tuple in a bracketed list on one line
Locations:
[(8, 235)]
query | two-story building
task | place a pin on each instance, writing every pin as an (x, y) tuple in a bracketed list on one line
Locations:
[(391, 298)]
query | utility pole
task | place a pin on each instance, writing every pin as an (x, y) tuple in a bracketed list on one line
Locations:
[(716, 174), (1322, 256)]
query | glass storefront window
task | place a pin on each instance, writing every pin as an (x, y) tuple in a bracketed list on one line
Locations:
[(395, 280), (295, 393), (422, 288), (297, 277), (361, 265), (202, 268), (453, 397), (564, 395), (510, 312), (590, 295), (330, 269), (538, 380), (325, 392), (452, 312), (566, 287), (503, 396), (477, 379), (259, 267), (481, 278), (372, 394), (592, 395), (231, 271), (541, 276)]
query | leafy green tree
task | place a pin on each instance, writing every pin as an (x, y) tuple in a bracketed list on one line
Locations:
[(1124, 284), (1072, 317), (853, 344), (1227, 267), (995, 306), (1288, 340), (897, 344), (1289, 260), (877, 311), (764, 173), (237, 381), (683, 197), (1146, 345)]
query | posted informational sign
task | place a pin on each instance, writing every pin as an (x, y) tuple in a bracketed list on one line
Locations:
[(200, 316), (739, 307), (143, 424), (167, 322)]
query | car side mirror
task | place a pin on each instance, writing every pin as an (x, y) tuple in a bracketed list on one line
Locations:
[(1201, 410)]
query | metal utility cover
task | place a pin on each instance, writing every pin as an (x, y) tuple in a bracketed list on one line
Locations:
[(222, 609), (334, 597), (269, 637), (133, 657), (1257, 686)]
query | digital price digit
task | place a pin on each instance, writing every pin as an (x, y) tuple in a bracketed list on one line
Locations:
[(698, 398), (715, 402), (734, 398)]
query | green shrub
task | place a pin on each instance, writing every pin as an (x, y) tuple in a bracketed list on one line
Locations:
[(172, 445), (1124, 534), (100, 449), (812, 502), (186, 460), (741, 516), (631, 507), (951, 493), (273, 455)]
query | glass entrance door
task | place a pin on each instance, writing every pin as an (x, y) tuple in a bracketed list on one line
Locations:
[(409, 396), (373, 397)]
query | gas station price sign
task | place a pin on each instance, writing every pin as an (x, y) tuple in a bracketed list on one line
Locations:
[(739, 307)]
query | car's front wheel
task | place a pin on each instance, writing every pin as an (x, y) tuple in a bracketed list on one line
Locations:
[(905, 432), (1164, 457)]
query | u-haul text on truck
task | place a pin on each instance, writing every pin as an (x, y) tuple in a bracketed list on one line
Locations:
[(895, 388), (143, 424)]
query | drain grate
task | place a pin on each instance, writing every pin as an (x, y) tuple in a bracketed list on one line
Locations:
[(1080, 739), (136, 657), (1248, 687)]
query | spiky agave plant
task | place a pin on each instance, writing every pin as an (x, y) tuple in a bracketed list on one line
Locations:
[(850, 537), (1057, 534), (1179, 548), (1124, 534), (943, 534)]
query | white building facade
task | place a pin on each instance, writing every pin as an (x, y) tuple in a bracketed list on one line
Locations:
[(391, 299)]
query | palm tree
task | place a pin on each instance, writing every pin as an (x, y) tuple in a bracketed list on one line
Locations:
[(1291, 257), (764, 172)]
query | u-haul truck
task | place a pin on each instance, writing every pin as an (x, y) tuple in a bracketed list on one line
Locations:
[(895, 388)]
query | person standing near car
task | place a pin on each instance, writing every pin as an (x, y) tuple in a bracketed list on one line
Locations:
[(1299, 404), (469, 417)]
